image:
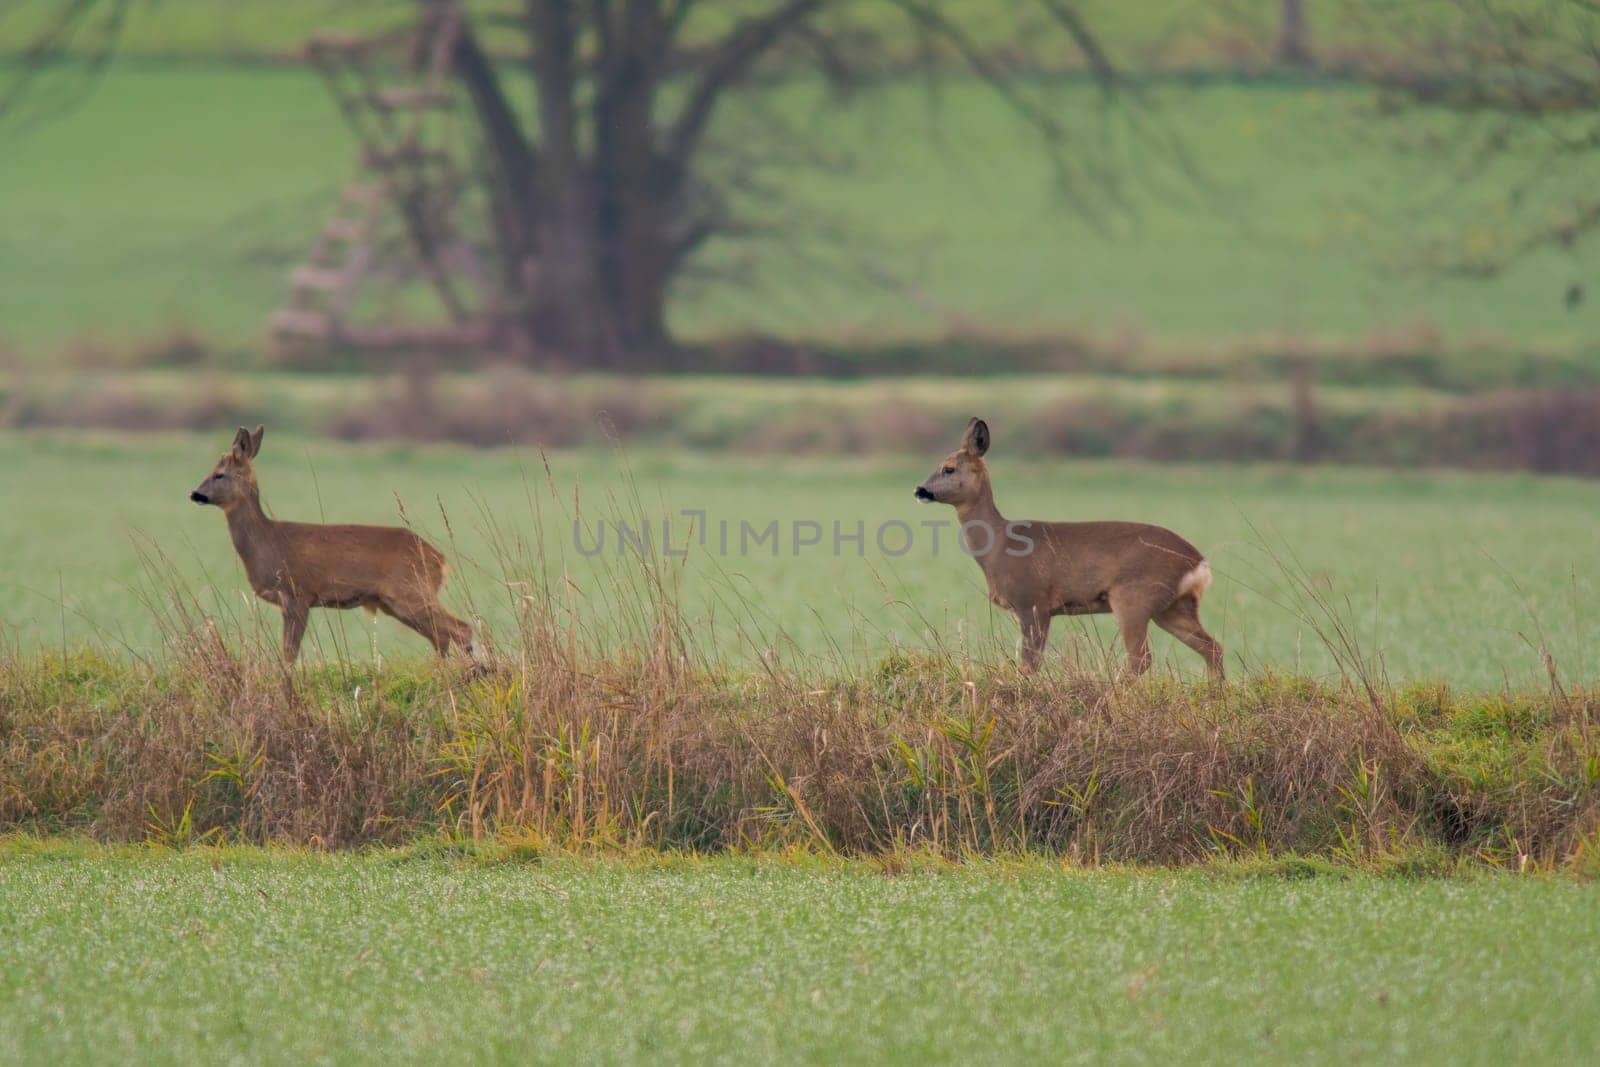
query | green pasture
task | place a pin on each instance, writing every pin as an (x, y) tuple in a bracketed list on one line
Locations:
[(385, 958), (1152, 31), (1434, 576), (174, 199)]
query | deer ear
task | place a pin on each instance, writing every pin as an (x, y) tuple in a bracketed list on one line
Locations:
[(241, 443), (976, 439), (255, 441)]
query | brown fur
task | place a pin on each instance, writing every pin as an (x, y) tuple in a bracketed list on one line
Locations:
[(1137, 572), (300, 565)]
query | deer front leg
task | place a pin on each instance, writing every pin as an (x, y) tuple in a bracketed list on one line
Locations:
[(295, 614), (1035, 636)]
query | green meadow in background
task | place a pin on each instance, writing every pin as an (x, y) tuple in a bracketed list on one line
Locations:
[(1436, 576), (117, 229)]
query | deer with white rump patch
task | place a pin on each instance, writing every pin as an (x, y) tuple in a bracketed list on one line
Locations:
[(301, 565), (1136, 572)]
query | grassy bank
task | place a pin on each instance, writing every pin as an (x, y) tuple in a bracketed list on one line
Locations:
[(560, 747), (384, 959)]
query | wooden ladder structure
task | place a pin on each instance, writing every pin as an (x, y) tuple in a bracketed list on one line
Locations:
[(395, 93)]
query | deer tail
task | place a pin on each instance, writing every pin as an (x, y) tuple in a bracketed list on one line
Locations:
[(1196, 582)]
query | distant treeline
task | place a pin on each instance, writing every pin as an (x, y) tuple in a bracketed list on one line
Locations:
[(1295, 411)]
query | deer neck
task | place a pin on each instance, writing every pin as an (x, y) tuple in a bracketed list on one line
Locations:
[(983, 528), (254, 538)]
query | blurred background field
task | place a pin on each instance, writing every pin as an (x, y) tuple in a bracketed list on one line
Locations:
[(1436, 577), (118, 231)]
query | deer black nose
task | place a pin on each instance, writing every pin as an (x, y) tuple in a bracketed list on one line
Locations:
[(199, 498), (923, 494)]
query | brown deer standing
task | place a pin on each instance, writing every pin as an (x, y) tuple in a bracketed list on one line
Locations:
[(301, 565), (1138, 573)]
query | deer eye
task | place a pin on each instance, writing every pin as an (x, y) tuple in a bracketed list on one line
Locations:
[(219, 476), (948, 470)]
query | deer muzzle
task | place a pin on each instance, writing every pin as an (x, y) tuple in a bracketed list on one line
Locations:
[(925, 496), (199, 498)]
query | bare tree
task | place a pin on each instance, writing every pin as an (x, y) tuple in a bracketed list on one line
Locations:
[(606, 188), (1509, 98)]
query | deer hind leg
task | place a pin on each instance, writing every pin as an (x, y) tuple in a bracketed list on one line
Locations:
[(1035, 637), (1182, 620), (1133, 613), (428, 618)]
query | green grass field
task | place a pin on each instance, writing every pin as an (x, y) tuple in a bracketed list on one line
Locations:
[(271, 957), (1438, 576), (116, 228), (1153, 32)]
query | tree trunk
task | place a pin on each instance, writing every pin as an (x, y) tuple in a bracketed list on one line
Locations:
[(559, 290), (598, 308), (592, 284), (1294, 45), (634, 201)]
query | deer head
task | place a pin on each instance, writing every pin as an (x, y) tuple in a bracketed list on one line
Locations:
[(233, 478), (963, 477)]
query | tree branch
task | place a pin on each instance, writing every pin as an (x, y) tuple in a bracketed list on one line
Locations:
[(1100, 65), (52, 44), (730, 60), (932, 21), (677, 16), (517, 163), (551, 29), (1522, 87)]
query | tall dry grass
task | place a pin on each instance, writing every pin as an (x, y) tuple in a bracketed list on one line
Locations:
[(648, 752)]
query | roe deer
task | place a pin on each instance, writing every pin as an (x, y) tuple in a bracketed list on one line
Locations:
[(301, 565), (1139, 573)]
